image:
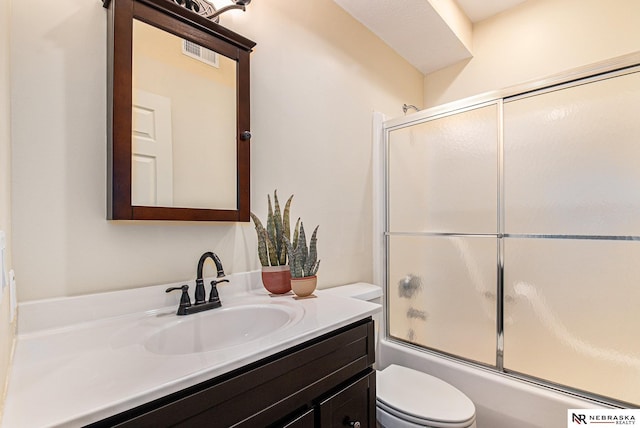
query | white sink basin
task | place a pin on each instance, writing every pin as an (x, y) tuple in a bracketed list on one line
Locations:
[(219, 328)]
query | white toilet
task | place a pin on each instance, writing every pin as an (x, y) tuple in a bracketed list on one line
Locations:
[(407, 398)]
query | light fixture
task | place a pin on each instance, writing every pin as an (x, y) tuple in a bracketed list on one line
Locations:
[(208, 10)]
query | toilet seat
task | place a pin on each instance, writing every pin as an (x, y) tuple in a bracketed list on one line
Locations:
[(422, 399)]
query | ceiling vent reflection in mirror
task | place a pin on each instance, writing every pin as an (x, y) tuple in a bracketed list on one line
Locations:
[(208, 10), (200, 53)]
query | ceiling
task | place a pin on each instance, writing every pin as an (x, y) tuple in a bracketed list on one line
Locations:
[(430, 34), (478, 10)]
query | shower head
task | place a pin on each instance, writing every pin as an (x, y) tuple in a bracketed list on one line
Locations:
[(406, 107)]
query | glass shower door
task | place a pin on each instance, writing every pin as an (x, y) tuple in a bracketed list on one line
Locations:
[(513, 235), (442, 183), (572, 246)]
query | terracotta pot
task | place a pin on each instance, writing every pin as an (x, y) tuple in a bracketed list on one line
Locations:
[(276, 279), (303, 287)]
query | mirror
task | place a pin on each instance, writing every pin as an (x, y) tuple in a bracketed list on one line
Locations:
[(179, 115), (182, 93)]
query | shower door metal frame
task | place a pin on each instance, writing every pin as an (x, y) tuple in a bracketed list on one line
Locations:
[(610, 68), (499, 225)]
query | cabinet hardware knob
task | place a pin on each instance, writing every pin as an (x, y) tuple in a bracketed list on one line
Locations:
[(245, 135), (354, 424)]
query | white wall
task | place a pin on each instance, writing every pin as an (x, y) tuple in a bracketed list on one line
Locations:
[(7, 327), (317, 76), (537, 39)]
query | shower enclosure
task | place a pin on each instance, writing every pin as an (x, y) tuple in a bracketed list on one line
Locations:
[(512, 234)]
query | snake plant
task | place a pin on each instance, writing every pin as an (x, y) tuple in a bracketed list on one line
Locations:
[(272, 249), (303, 260)]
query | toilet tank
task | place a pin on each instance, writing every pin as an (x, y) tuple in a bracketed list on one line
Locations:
[(361, 291)]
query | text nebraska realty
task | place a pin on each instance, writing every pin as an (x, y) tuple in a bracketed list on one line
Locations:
[(604, 419)]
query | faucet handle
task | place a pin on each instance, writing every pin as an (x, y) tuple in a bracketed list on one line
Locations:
[(185, 301), (214, 296)]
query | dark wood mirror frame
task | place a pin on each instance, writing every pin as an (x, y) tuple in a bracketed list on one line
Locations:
[(175, 19)]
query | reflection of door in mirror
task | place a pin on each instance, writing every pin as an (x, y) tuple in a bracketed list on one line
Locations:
[(151, 150), (200, 170)]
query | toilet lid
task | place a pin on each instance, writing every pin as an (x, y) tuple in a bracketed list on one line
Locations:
[(422, 397)]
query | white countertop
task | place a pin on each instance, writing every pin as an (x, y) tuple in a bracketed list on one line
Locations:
[(81, 359)]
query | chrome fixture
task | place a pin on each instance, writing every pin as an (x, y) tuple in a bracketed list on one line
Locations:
[(208, 10), (200, 303), (406, 107)]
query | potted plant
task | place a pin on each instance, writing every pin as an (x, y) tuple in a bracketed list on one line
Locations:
[(272, 249), (303, 260)]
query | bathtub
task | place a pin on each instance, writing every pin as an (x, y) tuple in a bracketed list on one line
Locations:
[(501, 400)]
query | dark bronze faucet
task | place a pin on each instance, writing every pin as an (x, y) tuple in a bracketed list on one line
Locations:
[(200, 303)]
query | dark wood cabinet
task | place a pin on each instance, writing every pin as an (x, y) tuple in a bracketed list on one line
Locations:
[(325, 382), (352, 406), (306, 420), (174, 18)]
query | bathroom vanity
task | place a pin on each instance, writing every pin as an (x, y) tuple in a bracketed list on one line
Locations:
[(126, 359), (325, 382)]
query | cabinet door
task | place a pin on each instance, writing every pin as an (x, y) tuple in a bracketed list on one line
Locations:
[(352, 406), (305, 420)]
